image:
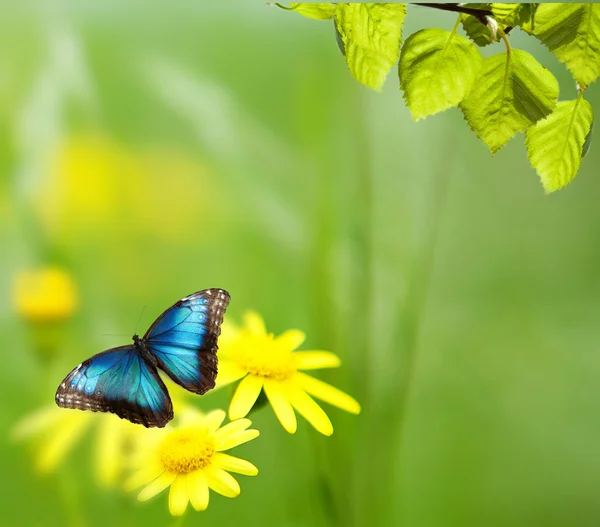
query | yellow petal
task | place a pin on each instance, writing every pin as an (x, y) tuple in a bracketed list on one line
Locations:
[(281, 406), (235, 427), (38, 421), (143, 476), (158, 485), (289, 340), (213, 420), (327, 393), (234, 464), (234, 440), (245, 396), (109, 449), (254, 324), (178, 495), (61, 442), (309, 409), (229, 333), (229, 372), (315, 360), (221, 481), (198, 490)]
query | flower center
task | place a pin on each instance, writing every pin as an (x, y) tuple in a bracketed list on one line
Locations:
[(184, 451), (266, 359)]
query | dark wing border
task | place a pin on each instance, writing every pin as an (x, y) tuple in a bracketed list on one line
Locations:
[(208, 352)]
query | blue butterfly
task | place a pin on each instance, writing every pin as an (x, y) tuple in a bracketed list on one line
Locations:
[(182, 342)]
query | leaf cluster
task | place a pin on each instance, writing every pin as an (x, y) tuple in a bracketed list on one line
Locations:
[(499, 96)]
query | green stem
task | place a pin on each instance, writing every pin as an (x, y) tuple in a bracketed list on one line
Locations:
[(410, 320)]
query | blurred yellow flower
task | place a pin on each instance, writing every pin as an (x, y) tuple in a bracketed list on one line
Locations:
[(44, 295), (94, 183), (265, 362), (54, 432), (190, 460)]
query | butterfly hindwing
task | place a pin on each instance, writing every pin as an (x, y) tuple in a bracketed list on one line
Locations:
[(120, 381), (184, 339)]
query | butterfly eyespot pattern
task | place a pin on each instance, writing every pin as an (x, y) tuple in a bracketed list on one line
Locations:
[(182, 342)]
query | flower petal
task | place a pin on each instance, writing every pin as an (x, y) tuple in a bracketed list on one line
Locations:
[(245, 396), (309, 409), (213, 420), (198, 490), (178, 495), (254, 324), (232, 428), (234, 464), (229, 372), (61, 441), (109, 449), (234, 440), (143, 476), (315, 360), (38, 421), (327, 393), (221, 481), (158, 485), (289, 340), (281, 406)]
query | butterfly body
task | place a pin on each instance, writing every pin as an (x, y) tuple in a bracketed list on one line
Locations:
[(182, 342)]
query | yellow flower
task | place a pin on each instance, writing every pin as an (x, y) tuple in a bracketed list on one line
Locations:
[(190, 460), (265, 362), (44, 295), (54, 432)]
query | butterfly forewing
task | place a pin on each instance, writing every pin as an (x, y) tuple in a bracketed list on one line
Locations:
[(119, 381), (184, 339)]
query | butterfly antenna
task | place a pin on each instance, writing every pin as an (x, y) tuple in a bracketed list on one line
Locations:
[(139, 319)]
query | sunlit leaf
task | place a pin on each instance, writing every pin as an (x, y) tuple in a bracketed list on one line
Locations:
[(527, 17), (510, 15), (370, 35), (557, 144), (437, 70), (315, 11), (475, 29), (513, 91), (572, 33)]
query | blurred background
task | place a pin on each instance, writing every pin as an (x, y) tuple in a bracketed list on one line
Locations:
[(153, 149)]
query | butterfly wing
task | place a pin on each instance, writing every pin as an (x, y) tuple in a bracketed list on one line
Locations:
[(184, 339), (120, 381)]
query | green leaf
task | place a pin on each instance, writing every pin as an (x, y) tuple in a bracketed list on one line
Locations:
[(512, 92), (371, 35), (475, 29), (572, 33), (556, 144), (527, 19), (437, 70), (506, 14), (315, 11), (512, 15), (588, 141)]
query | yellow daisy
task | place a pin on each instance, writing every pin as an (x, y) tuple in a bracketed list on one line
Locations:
[(55, 432), (263, 361), (191, 460)]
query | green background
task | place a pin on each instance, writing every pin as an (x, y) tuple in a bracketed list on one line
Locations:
[(461, 299)]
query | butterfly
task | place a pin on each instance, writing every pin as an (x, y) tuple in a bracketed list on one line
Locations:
[(182, 342)]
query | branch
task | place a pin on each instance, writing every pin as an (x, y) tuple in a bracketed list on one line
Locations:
[(479, 14)]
